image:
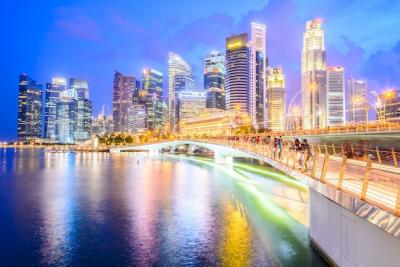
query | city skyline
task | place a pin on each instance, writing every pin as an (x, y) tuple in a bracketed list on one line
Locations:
[(338, 40)]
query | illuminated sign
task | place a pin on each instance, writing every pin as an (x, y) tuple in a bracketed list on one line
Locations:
[(234, 45)]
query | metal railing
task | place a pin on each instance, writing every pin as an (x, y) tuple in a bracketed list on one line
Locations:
[(373, 182)]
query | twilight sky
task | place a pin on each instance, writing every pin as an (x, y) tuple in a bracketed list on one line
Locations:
[(90, 39)]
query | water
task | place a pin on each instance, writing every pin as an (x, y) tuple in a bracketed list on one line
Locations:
[(116, 210)]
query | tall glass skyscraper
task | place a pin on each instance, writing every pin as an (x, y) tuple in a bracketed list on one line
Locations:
[(176, 67), (53, 90), (152, 84), (214, 80), (358, 100), (258, 64), (29, 109), (67, 116), (122, 100), (336, 97), (84, 109), (276, 100), (237, 72), (313, 70)]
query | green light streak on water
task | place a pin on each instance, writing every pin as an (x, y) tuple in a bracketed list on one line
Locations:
[(288, 237)]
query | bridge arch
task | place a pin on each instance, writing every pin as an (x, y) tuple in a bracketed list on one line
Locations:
[(222, 154)]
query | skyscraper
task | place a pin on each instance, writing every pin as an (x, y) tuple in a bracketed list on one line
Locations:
[(136, 119), (276, 100), (190, 104), (336, 96), (53, 90), (258, 64), (29, 109), (84, 109), (66, 116), (358, 100), (152, 83), (122, 100), (176, 66), (237, 72), (313, 71), (214, 80)]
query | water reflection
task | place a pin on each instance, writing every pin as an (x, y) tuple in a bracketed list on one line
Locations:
[(132, 209)]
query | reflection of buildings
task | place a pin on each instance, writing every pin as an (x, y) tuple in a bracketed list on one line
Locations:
[(214, 80), (389, 106), (336, 102), (358, 100), (214, 122), (276, 100), (29, 109), (313, 69), (237, 72)]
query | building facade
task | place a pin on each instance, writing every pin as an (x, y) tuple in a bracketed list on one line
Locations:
[(84, 113), (29, 109), (137, 119), (389, 106), (313, 71), (258, 64), (52, 97), (122, 100), (276, 100), (177, 66), (214, 80), (67, 116), (237, 72), (152, 84), (358, 100), (335, 96), (190, 104)]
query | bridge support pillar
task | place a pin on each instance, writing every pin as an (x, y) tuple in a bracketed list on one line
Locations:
[(222, 160), (347, 239)]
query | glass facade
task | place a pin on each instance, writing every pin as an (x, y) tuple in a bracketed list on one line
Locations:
[(84, 112), (67, 114), (124, 87), (214, 80), (53, 91), (29, 109), (152, 84), (336, 96)]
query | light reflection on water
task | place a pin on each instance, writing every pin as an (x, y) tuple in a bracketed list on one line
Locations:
[(131, 209)]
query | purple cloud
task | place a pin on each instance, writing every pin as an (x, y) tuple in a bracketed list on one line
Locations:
[(80, 27)]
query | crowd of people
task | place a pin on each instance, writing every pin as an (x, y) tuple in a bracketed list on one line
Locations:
[(302, 149)]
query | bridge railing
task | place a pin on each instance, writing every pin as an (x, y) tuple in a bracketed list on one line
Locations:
[(374, 183)]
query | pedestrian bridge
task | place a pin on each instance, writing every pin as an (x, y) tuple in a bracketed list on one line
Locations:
[(353, 203)]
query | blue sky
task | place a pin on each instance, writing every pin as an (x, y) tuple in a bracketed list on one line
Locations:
[(92, 38)]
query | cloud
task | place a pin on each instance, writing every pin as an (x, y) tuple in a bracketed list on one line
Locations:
[(384, 67), (80, 27)]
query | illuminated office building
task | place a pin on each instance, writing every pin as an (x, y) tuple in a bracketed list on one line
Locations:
[(358, 100), (258, 64), (237, 72), (136, 119), (214, 80), (276, 100), (67, 116), (52, 97), (122, 100), (152, 84), (389, 106), (335, 96), (190, 104), (84, 113), (177, 66), (313, 70), (29, 109)]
